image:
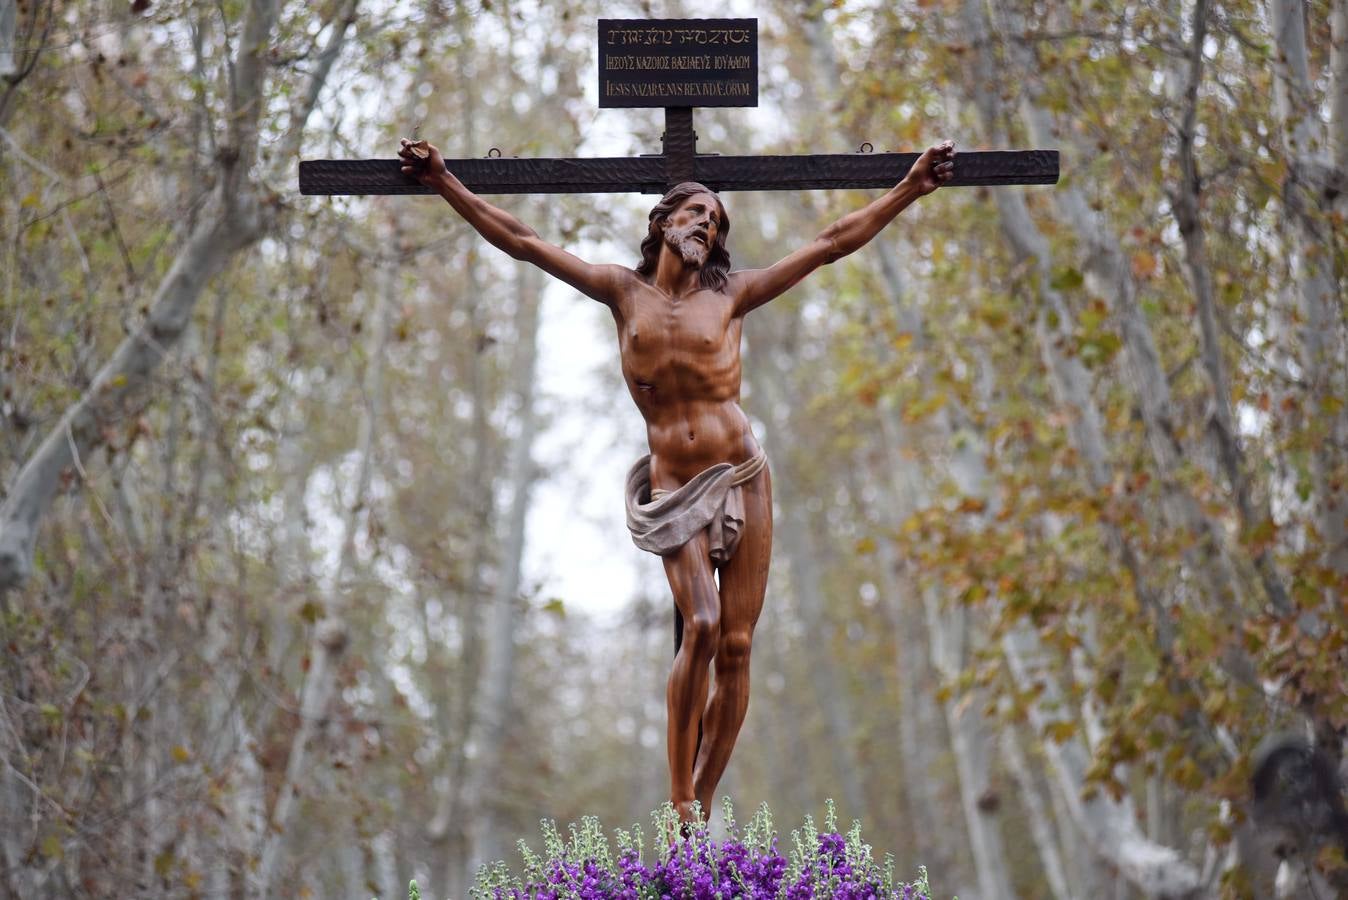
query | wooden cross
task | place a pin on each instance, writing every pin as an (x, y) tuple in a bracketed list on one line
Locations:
[(678, 64)]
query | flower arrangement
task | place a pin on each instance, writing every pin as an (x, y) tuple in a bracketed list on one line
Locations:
[(688, 865)]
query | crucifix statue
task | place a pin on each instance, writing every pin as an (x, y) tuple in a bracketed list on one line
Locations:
[(702, 498)]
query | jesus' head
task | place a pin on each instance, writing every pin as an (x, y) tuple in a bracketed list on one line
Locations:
[(691, 221)]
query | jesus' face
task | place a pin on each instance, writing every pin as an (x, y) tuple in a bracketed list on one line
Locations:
[(690, 231)]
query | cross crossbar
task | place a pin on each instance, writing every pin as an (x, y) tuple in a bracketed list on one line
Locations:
[(647, 174), (680, 161)]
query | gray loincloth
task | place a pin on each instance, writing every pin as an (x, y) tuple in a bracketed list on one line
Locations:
[(663, 521)]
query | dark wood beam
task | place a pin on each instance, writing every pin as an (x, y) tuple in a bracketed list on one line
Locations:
[(654, 174)]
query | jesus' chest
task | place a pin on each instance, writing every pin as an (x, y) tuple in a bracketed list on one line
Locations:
[(664, 330)]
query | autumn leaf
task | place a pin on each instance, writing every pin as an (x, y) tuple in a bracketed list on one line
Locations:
[(1143, 265), (1061, 731), (52, 847)]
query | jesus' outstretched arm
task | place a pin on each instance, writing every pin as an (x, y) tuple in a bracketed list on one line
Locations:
[(754, 287), (602, 282)]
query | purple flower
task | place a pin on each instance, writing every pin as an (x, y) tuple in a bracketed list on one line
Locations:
[(694, 867)]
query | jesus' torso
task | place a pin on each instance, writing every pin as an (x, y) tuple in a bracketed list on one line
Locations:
[(681, 362)]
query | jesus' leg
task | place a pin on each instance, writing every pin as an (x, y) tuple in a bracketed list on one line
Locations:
[(744, 581), (690, 577)]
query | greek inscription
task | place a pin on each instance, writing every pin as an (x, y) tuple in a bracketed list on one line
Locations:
[(617, 63)]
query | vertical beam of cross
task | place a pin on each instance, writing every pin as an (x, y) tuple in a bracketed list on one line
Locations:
[(680, 145)]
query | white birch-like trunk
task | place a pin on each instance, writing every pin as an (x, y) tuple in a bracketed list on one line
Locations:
[(1038, 815), (1306, 199), (494, 691), (949, 630), (952, 635), (921, 734), (1185, 202), (451, 822), (807, 589), (1338, 74), (330, 638), (1109, 826)]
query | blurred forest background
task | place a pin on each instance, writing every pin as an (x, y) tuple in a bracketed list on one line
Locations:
[(1061, 528)]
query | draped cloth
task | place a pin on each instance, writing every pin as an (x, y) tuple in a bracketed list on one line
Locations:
[(663, 521)]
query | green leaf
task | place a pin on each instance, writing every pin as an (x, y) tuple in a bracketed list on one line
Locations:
[(1066, 279)]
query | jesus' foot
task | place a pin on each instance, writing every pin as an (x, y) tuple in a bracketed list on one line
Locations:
[(690, 813)]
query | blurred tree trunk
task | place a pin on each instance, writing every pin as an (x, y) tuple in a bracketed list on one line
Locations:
[(483, 790), (1315, 180), (952, 636), (949, 631), (452, 823), (807, 587), (1338, 73), (1185, 205), (921, 736), (1037, 814), (1109, 825), (331, 635)]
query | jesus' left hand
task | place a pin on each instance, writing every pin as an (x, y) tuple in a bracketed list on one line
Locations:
[(933, 168)]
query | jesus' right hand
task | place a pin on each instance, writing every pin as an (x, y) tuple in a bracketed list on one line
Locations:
[(422, 161)]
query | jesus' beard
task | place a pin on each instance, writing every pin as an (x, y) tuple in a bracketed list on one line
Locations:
[(692, 251)]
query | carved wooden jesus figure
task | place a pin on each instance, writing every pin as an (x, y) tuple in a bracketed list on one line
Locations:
[(702, 499)]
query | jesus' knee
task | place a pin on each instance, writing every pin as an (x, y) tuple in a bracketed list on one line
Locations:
[(701, 633), (732, 654)]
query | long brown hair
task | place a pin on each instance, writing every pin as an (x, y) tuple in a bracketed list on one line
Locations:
[(713, 275)]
